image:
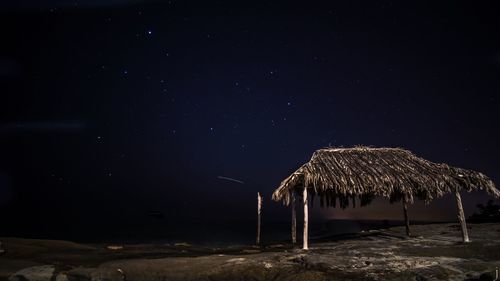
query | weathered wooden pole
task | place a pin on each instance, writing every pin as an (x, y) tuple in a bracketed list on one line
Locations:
[(407, 221), (461, 217), (306, 220), (294, 220), (259, 211)]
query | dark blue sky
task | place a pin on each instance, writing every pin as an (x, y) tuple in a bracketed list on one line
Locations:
[(113, 108)]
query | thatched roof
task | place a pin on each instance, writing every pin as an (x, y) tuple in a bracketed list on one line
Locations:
[(345, 173)]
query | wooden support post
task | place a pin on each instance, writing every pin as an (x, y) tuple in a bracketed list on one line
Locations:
[(294, 221), (259, 211), (461, 217), (306, 220), (407, 221)]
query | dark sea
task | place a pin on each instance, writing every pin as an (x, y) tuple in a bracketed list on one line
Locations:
[(210, 233)]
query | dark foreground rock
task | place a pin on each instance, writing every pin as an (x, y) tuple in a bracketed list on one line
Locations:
[(435, 254)]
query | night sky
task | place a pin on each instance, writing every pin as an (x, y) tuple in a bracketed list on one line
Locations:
[(111, 109)]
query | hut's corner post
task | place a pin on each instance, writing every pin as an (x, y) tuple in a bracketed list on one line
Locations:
[(407, 221), (294, 220), (259, 211), (461, 217), (306, 220)]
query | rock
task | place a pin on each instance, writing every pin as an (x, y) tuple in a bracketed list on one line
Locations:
[(62, 277), (2, 250), (250, 251), (92, 274), (78, 274), (276, 246), (487, 276), (34, 273), (107, 274), (236, 260)]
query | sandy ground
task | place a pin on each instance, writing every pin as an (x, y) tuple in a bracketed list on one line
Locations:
[(435, 252)]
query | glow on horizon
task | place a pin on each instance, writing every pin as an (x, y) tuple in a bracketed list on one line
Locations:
[(441, 209)]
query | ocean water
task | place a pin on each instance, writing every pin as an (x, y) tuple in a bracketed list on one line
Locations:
[(210, 233), (199, 232)]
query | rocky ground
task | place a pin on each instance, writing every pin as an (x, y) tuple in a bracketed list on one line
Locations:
[(433, 253)]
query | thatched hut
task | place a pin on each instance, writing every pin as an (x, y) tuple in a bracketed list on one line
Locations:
[(338, 176)]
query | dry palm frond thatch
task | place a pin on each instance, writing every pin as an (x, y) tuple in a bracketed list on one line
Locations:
[(342, 174)]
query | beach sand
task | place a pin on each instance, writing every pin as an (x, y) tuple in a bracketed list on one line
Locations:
[(435, 252)]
